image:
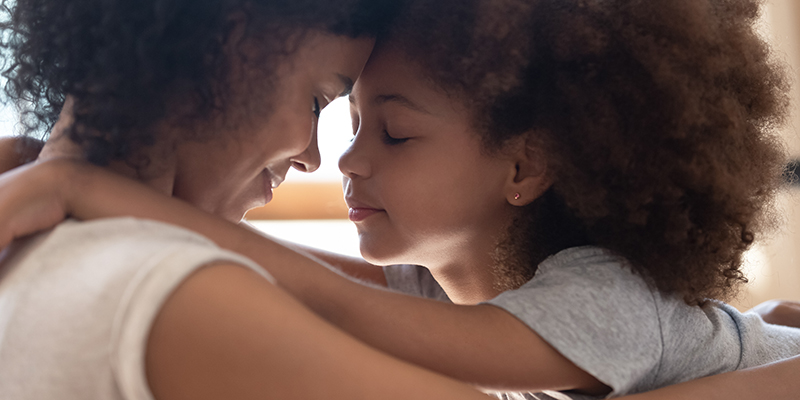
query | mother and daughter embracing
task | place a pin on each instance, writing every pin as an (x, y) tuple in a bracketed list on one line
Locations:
[(560, 193)]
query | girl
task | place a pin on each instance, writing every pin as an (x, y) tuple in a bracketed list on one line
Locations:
[(611, 160)]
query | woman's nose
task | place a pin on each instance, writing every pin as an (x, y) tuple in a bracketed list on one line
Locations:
[(309, 159)]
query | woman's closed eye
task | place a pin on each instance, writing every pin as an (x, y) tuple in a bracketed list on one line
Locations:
[(315, 108)]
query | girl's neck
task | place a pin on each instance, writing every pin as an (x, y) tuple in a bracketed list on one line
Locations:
[(467, 289), (467, 276)]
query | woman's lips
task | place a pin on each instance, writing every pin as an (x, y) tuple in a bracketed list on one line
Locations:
[(267, 191), (360, 214), (270, 181)]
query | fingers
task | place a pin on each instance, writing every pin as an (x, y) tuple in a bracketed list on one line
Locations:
[(5, 240), (780, 312), (16, 151), (30, 200)]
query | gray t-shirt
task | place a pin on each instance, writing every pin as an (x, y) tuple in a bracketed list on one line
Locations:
[(595, 311), (77, 304)]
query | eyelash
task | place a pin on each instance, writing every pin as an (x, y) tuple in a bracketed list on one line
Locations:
[(387, 139), (315, 109)]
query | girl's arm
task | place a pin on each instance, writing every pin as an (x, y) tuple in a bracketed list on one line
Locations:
[(16, 151), (478, 344), (353, 267), (9, 157)]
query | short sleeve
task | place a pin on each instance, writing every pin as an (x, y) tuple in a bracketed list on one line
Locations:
[(596, 313), (414, 280), (142, 301)]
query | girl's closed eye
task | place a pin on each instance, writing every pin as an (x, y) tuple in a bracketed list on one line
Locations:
[(392, 141)]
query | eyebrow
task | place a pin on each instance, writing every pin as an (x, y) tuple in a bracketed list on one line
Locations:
[(348, 85), (395, 98)]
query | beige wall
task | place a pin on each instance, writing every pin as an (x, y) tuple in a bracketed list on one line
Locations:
[(774, 265)]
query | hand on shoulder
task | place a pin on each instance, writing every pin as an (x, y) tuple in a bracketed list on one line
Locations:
[(32, 198), (16, 151), (779, 312)]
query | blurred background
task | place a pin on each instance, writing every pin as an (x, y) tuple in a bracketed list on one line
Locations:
[(309, 208), (773, 265)]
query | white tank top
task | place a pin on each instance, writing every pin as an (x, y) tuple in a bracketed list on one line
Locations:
[(77, 304)]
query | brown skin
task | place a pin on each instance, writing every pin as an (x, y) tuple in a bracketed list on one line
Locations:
[(16, 151), (773, 381), (780, 312)]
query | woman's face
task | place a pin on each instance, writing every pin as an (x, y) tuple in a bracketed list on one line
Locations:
[(419, 188), (237, 169)]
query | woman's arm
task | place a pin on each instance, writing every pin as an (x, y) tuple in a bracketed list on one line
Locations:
[(776, 381), (227, 333), (304, 357), (779, 312)]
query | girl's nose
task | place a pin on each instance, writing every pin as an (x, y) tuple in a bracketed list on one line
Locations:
[(354, 162)]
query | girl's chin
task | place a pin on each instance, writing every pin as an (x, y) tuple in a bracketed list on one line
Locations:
[(382, 254)]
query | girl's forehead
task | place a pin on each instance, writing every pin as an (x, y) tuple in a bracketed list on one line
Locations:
[(389, 67), (391, 76)]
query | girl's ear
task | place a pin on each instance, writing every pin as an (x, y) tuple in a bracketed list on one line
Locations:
[(529, 178)]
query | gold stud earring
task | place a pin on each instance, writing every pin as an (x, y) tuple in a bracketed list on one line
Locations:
[(517, 196)]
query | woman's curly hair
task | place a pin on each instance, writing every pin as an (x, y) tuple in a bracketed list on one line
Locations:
[(129, 64), (658, 119)]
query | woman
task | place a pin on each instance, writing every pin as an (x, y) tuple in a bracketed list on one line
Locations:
[(211, 102)]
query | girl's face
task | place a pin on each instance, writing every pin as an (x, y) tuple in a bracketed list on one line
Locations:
[(419, 188), (237, 169)]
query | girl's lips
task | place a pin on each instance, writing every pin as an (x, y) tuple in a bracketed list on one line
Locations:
[(360, 214), (359, 210)]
